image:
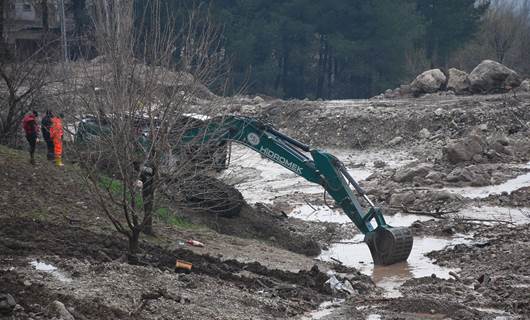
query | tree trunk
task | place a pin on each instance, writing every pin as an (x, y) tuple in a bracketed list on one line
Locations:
[(134, 242), (45, 21), (321, 66), (148, 196), (3, 47)]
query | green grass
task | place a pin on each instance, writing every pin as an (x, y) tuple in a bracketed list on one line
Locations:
[(116, 188), (163, 214), (166, 216)]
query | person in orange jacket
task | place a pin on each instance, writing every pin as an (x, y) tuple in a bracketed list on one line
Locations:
[(56, 134)]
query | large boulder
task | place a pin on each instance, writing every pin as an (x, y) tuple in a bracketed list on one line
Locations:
[(457, 81), (464, 150), (490, 76), (429, 81)]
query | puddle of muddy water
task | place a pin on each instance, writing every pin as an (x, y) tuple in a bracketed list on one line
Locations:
[(356, 254), (48, 268), (483, 192), (493, 215), (325, 308), (336, 215), (261, 180)]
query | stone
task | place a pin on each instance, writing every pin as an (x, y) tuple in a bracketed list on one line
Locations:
[(425, 133), (258, 99), (379, 164), (460, 174), (429, 81), (7, 303), (405, 89), (464, 150), (490, 77), (60, 310), (525, 86), (457, 81), (438, 112), (409, 172), (435, 176), (398, 199), (395, 141)]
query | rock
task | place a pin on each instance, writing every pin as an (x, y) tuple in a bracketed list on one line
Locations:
[(379, 164), (438, 112), (7, 304), (395, 141), (483, 127), (490, 76), (398, 199), (442, 195), (409, 172), (464, 150), (425, 133), (435, 176), (460, 174), (405, 89), (525, 86), (457, 81), (429, 81), (258, 99), (60, 310)]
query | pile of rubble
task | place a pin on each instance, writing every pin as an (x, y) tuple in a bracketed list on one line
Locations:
[(488, 77)]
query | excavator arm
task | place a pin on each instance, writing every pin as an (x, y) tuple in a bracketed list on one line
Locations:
[(387, 244)]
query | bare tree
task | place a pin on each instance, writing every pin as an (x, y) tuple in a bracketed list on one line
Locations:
[(504, 36), (21, 85), (140, 95), (503, 26)]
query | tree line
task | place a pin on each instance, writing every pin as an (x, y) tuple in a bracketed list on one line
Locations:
[(341, 48)]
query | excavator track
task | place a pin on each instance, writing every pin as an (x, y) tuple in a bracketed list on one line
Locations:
[(389, 245)]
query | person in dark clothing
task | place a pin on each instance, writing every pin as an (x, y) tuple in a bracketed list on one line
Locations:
[(46, 124), (31, 128)]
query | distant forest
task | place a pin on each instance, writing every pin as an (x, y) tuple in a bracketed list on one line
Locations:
[(353, 48)]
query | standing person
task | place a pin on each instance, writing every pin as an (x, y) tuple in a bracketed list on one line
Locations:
[(56, 133), (31, 128), (46, 125)]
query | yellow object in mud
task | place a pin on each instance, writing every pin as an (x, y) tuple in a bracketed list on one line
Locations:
[(59, 162)]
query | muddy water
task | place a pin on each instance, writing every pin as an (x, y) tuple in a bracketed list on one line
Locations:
[(493, 215), (261, 180), (50, 269), (483, 192), (356, 254), (327, 214)]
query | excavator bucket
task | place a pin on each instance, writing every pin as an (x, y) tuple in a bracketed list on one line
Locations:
[(389, 245)]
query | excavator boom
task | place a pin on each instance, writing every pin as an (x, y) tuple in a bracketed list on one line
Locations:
[(387, 244)]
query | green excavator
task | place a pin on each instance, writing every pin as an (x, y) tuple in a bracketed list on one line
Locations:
[(387, 244)]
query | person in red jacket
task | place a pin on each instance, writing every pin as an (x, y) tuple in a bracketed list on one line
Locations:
[(56, 134), (31, 129)]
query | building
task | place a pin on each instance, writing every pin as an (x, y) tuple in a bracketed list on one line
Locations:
[(24, 28)]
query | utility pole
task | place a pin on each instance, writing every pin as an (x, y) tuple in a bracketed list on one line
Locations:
[(63, 30)]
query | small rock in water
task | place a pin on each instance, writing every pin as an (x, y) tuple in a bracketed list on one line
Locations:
[(395, 141)]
